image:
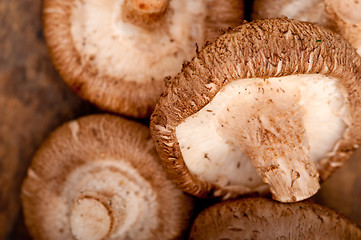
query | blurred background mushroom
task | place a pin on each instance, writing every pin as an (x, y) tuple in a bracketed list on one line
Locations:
[(342, 191), (342, 16), (99, 177), (117, 53), (260, 218), (303, 10), (267, 102)]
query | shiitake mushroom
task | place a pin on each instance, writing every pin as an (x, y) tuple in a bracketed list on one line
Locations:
[(116, 54), (273, 101), (98, 177)]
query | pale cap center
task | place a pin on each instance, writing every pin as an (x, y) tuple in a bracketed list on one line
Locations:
[(90, 219)]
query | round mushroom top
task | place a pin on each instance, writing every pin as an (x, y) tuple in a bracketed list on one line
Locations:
[(117, 53), (259, 218), (272, 101), (98, 177)]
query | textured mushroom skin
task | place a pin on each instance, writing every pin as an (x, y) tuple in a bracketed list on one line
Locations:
[(258, 218), (56, 190), (260, 49), (132, 93)]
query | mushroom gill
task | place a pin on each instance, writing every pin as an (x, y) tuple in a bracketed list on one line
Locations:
[(284, 126), (267, 102), (260, 218), (117, 53), (98, 177)]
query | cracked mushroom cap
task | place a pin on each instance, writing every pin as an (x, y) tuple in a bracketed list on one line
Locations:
[(116, 53), (259, 218), (98, 177), (275, 101)]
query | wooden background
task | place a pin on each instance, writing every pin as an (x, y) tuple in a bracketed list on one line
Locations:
[(34, 101)]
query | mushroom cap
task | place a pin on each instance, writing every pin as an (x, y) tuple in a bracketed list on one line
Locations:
[(304, 10), (99, 177), (260, 218), (120, 66), (260, 49)]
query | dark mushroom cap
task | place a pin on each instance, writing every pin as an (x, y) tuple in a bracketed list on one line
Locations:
[(99, 177), (114, 59), (259, 218), (260, 49)]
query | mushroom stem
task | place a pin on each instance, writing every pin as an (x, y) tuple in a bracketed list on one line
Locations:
[(90, 219), (144, 13), (273, 136)]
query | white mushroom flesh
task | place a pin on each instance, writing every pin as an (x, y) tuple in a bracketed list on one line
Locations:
[(105, 198), (211, 156), (114, 48)]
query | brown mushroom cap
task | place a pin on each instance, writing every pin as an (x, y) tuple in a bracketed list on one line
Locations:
[(117, 54), (99, 177), (259, 218), (272, 48), (304, 10)]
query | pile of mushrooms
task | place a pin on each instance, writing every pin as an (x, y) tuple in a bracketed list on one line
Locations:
[(116, 53), (274, 101), (271, 106), (259, 218), (99, 177)]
